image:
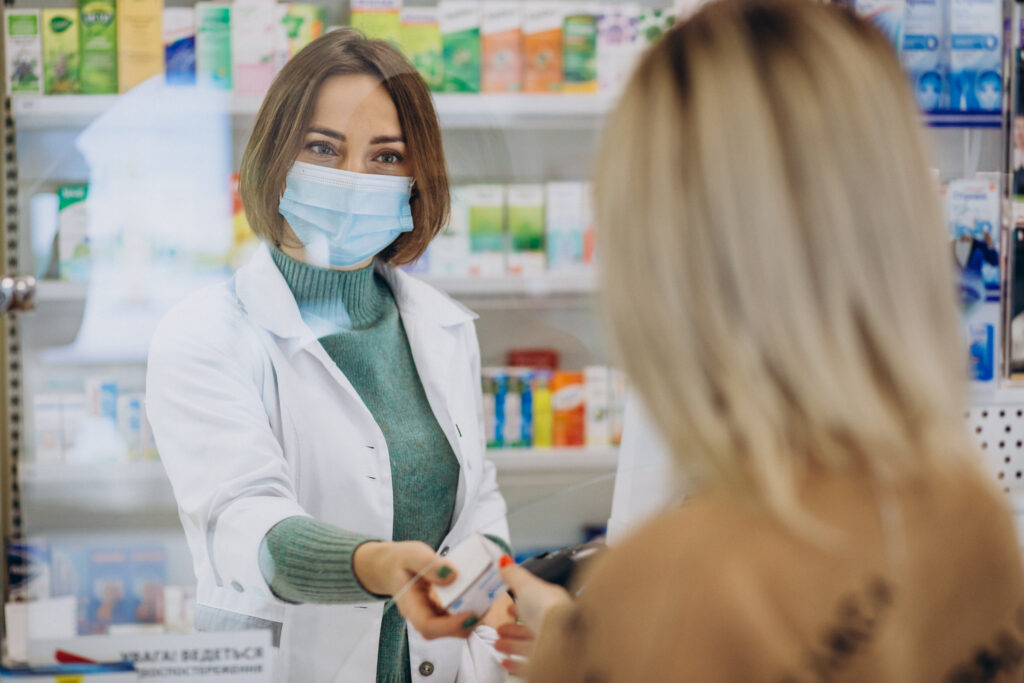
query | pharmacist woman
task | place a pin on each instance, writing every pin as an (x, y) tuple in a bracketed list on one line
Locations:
[(319, 415)]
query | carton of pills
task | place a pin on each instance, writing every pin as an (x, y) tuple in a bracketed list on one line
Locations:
[(477, 582)]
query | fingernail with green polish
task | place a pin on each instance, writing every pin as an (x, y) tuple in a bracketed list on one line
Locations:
[(444, 572), (470, 622)]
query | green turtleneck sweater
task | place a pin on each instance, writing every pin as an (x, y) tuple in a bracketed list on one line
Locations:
[(306, 561)]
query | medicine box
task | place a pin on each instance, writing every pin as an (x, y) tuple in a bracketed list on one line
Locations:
[(565, 224), (140, 44), (501, 46), (254, 28), (542, 46), (478, 578), (213, 44), (486, 229), (459, 21), (179, 30), (420, 37), (99, 47), (73, 244), (526, 229), (60, 51), (23, 49), (378, 19)]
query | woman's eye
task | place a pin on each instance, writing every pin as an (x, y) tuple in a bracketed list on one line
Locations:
[(389, 158), (321, 148)]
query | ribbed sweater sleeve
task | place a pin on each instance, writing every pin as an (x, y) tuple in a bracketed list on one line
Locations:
[(303, 560)]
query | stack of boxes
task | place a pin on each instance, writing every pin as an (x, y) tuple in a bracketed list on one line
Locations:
[(543, 407), (519, 230)]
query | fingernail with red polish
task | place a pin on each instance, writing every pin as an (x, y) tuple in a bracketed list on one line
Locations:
[(505, 561)]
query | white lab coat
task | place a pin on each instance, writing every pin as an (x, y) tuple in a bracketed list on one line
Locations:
[(256, 423)]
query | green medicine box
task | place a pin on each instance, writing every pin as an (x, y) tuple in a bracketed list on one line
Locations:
[(98, 35), (60, 51)]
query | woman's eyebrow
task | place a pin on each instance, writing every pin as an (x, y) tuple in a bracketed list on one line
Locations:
[(327, 132), (383, 139)]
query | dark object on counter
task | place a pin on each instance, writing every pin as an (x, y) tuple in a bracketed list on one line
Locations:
[(561, 566)]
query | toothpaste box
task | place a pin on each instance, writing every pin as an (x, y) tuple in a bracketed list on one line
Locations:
[(421, 42), (923, 54), (478, 577), (542, 46), (526, 229), (140, 44), (213, 44), (99, 46), (486, 229), (23, 49), (501, 45), (179, 29), (459, 21), (60, 51), (379, 19), (975, 58), (255, 26)]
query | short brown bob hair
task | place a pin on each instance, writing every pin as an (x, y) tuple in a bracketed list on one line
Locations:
[(286, 112)]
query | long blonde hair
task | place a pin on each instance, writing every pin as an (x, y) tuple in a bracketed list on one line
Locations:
[(774, 261)]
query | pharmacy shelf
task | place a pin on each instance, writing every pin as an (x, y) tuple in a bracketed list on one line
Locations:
[(65, 494), (61, 491), (454, 111), (580, 283), (541, 285), (958, 119), (544, 460), (59, 291)]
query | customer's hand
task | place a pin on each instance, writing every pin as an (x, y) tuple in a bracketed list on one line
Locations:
[(533, 596), (385, 568), (515, 640)]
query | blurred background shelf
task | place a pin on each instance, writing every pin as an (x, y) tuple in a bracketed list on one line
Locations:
[(454, 110), (536, 483)]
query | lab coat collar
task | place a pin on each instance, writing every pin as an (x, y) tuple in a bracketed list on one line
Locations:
[(269, 302)]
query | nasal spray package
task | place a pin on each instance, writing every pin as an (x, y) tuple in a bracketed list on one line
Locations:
[(924, 54), (973, 207), (976, 55), (478, 577)]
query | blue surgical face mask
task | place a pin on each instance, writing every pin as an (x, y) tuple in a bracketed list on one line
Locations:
[(344, 218)]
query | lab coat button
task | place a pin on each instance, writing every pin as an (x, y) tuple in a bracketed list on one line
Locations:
[(444, 550), (426, 668), (237, 586)]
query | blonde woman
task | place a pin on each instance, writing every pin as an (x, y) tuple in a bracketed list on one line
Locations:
[(780, 292)]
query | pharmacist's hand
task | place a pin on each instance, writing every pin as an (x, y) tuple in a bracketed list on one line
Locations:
[(516, 641), (385, 568), (533, 597)]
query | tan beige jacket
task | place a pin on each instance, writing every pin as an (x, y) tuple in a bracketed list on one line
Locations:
[(924, 585)]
